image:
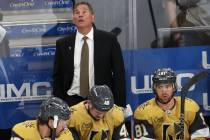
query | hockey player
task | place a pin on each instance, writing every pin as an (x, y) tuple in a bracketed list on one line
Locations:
[(51, 123), (98, 118), (159, 118)]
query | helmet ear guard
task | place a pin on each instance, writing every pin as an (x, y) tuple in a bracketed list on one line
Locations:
[(101, 98), (164, 75), (55, 122)]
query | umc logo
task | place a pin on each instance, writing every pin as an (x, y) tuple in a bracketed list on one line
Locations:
[(26, 91), (147, 83), (204, 60)]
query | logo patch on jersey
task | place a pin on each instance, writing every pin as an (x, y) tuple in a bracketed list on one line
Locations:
[(171, 131), (29, 124), (159, 120), (86, 125)]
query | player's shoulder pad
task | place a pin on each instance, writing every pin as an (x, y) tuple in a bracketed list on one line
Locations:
[(117, 111), (66, 135), (144, 108), (23, 126), (77, 111), (74, 109), (191, 105), (117, 114)]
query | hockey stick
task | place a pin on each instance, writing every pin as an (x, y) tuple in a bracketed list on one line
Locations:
[(184, 92), (129, 113)]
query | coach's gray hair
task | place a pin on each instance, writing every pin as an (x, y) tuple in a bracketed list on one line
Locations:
[(84, 3)]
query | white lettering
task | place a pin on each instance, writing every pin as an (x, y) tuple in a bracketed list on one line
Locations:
[(42, 29), (146, 88), (204, 60), (179, 80), (2, 91), (38, 85), (148, 83), (11, 88), (57, 2), (67, 29), (22, 4), (205, 102), (26, 90)]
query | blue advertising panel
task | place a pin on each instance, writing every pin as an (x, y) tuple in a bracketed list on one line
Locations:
[(31, 30), (186, 62), (26, 80), (10, 5), (39, 29), (26, 77)]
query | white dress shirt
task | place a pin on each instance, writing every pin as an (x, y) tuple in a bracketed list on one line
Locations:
[(75, 87)]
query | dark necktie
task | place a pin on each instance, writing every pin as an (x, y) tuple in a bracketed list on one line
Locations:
[(84, 69)]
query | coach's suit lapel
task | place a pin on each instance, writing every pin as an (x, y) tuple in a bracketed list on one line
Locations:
[(96, 49), (70, 44), (69, 51)]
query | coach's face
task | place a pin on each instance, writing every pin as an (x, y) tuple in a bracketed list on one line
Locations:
[(83, 17)]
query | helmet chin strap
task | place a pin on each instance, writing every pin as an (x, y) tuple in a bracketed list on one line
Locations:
[(55, 124)]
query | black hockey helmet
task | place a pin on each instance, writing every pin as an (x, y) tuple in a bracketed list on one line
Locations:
[(101, 97), (54, 106), (164, 75)]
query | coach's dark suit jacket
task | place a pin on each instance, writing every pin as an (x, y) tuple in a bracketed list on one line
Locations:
[(108, 65)]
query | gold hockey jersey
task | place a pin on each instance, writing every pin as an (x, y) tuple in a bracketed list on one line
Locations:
[(28, 130), (111, 127), (153, 122)]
